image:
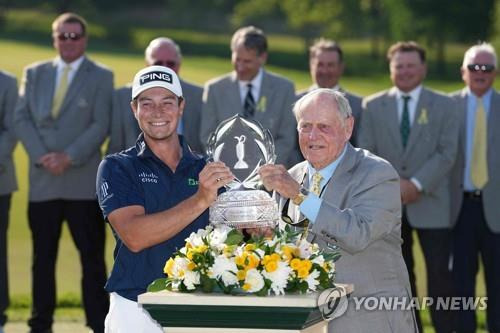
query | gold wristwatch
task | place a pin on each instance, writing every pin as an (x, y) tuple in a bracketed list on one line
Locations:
[(301, 196)]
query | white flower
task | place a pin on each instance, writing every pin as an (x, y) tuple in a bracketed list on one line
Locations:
[(218, 236), (254, 281), (180, 267), (271, 242), (225, 269), (279, 278), (305, 249), (196, 238), (191, 279), (312, 280), (318, 260)]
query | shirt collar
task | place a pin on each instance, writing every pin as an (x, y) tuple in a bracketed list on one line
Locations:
[(256, 81), (328, 171), (485, 97), (143, 150), (414, 94), (74, 65)]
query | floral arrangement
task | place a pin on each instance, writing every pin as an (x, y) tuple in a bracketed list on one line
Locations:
[(218, 259)]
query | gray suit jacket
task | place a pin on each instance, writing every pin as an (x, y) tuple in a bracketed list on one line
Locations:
[(354, 102), (79, 130), (491, 191), (428, 156), (8, 99), (221, 100), (360, 215), (124, 129)]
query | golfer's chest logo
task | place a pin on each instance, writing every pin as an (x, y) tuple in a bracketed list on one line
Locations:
[(148, 177)]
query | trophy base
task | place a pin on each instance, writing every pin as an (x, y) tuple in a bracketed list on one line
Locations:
[(244, 209)]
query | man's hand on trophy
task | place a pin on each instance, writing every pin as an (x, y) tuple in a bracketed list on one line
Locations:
[(266, 232), (213, 176), (276, 178)]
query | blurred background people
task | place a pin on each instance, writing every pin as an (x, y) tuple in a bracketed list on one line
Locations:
[(416, 130), (475, 186), (62, 119), (252, 92), (8, 184)]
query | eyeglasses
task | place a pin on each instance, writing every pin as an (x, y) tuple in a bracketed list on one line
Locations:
[(288, 220), (485, 68), (165, 63), (63, 36)]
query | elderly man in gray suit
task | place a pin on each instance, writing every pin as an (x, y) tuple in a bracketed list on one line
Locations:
[(124, 130), (353, 204), (253, 93), (326, 64), (62, 119), (8, 184), (416, 130), (475, 185)]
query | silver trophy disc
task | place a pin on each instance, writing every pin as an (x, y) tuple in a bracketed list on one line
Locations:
[(243, 145)]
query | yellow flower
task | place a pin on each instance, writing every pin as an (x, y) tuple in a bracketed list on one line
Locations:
[(306, 264), (189, 254), (191, 265), (422, 120), (169, 266), (253, 261), (295, 263), (302, 273), (289, 252), (275, 257), (247, 286), (201, 249), (261, 106), (240, 260), (266, 259), (241, 275), (271, 266), (250, 247)]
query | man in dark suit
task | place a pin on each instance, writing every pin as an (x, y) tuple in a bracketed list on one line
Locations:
[(416, 130), (8, 98), (62, 119), (326, 64), (252, 92), (124, 131), (352, 205), (475, 185)]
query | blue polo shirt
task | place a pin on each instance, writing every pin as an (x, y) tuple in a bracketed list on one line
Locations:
[(137, 177)]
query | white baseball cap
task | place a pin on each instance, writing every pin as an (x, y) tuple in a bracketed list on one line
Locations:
[(156, 76)]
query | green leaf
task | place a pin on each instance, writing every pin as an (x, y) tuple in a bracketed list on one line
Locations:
[(234, 237), (158, 285), (207, 284)]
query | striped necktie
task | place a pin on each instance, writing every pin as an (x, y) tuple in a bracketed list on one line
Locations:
[(479, 161), (62, 88), (405, 121), (249, 104)]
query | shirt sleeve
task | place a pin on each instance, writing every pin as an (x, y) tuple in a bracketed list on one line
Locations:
[(116, 188)]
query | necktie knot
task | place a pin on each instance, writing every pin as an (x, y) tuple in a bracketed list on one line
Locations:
[(316, 184)]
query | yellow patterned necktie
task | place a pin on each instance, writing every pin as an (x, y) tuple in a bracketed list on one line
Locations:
[(479, 161), (316, 184), (62, 88)]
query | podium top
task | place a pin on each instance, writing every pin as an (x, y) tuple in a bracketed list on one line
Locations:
[(219, 299)]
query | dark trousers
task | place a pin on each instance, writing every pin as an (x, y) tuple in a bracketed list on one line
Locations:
[(87, 229), (4, 284), (436, 246), (473, 237)]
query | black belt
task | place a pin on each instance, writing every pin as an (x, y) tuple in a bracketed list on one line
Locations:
[(473, 194)]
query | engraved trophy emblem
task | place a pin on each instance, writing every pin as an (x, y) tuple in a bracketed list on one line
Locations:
[(243, 145)]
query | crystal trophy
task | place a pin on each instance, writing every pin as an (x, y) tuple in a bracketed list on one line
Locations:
[(243, 145)]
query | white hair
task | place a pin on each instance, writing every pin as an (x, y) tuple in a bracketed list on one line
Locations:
[(476, 49), (160, 41), (343, 107)]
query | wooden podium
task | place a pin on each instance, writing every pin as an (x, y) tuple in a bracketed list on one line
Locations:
[(199, 312)]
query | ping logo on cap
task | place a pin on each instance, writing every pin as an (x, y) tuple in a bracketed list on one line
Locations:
[(155, 76)]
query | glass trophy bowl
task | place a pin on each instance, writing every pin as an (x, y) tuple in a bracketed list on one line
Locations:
[(243, 145)]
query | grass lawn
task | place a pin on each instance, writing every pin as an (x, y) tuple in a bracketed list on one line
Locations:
[(196, 69)]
